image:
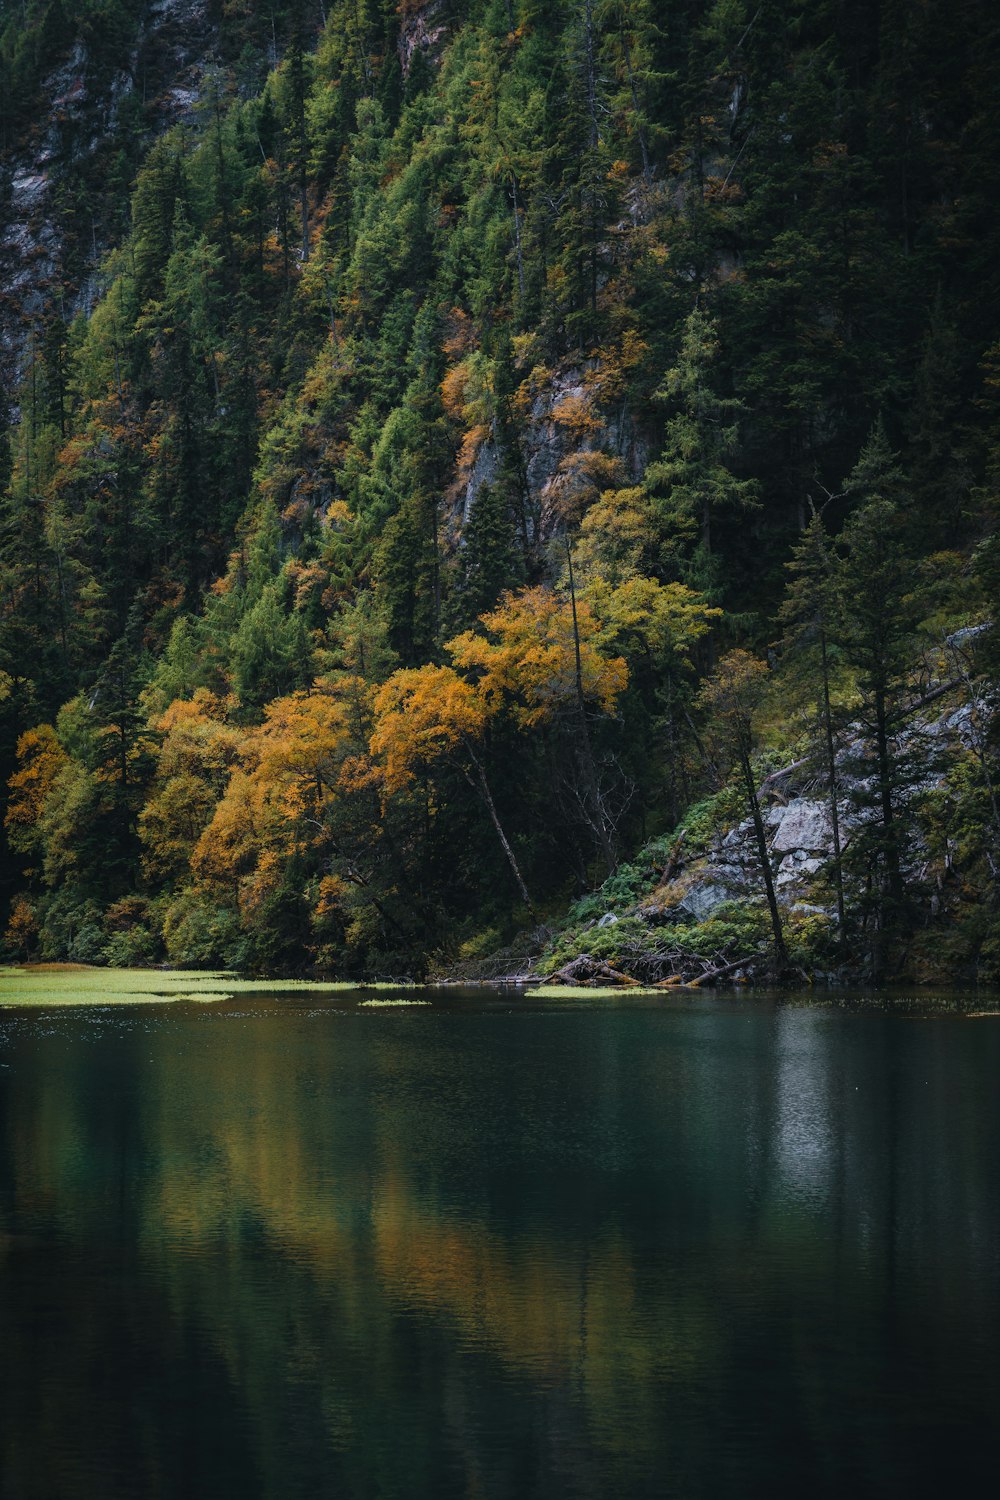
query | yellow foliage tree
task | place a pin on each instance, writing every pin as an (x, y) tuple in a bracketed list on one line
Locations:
[(661, 619), (231, 845), (428, 714), (289, 771), (198, 751), (540, 655), (40, 758), (541, 658), (618, 534)]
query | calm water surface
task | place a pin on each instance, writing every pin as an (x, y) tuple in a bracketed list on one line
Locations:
[(292, 1248)]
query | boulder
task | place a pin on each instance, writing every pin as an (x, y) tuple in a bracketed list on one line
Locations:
[(701, 900), (797, 866), (803, 824)]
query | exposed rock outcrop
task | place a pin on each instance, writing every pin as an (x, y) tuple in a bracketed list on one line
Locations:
[(800, 829), (173, 44), (568, 440), (423, 28)]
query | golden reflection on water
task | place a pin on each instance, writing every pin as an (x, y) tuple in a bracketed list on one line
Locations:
[(548, 1307), (366, 1209)]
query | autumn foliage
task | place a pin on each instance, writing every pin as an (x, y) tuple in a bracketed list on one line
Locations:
[(391, 451), (531, 659)]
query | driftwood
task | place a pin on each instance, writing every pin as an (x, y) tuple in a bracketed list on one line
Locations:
[(585, 970), (673, 969), (719, 973)]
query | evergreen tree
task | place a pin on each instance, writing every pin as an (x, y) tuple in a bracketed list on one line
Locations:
[(692, 482), (876, 618), (489, 560), (809, 613)]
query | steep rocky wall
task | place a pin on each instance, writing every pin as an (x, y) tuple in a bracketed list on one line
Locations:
[(569, 446), (46, 253), (422, 28)]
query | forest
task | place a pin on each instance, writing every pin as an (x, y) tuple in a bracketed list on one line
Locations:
[(480, 480)]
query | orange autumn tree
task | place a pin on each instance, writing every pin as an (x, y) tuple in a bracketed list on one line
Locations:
[(198, 751), (300, 747), (278, 797), (426, 715), (541, 659), (40, 758), (539, 656)]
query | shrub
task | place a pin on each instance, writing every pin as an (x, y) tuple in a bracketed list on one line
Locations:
[(199, 934), (131, 949), (21, 936)]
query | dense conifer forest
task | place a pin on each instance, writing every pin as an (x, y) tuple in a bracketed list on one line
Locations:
[(475, 472)]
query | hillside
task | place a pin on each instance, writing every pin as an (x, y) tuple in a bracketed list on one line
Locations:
[(450, 446)]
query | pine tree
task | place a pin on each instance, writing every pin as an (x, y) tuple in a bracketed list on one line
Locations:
[(731, 698), (876, 617), (489, 560), (808, 613), (693, 482)]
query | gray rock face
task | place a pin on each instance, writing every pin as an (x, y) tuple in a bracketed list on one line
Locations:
[(799, 833), (702, 900), (796, 866), (968, 634), (172, 45), (422, 30), (803, 824), (970, 723), (484, 471)]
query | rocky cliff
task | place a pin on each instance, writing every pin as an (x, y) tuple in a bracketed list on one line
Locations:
[(67, 167), (691, 907)]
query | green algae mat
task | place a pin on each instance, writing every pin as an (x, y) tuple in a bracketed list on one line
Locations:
[(79, 984)]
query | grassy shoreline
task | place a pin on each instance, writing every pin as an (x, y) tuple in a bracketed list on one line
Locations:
[(37, 986), (30, 985)]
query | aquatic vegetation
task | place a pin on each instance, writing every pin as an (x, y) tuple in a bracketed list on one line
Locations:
[(394, 1004), (78, 984), (587, 992)]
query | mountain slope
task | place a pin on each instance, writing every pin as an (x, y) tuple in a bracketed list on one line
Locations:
[(452, 397)]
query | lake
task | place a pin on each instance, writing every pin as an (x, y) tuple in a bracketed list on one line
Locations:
[(288, 1246)]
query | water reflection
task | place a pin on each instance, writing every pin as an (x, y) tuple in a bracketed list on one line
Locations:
[(693, 1251)]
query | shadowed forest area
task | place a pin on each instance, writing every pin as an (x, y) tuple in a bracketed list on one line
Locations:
[(501, 484)]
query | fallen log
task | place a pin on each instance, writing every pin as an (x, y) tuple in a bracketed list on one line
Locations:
[(676, 855), (922, 702), (796, 765), (738, 963), (585, 970)]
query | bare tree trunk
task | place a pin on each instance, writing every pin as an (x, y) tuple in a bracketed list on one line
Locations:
[(891, 849), (482, 786), (780, 951), (633, 89), (304, 210), (588, 27), (599, 820), (831, 761), (892, 880), (517, 235), (978, 742)]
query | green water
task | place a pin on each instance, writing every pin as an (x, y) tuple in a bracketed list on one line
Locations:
[(291, 1246)]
